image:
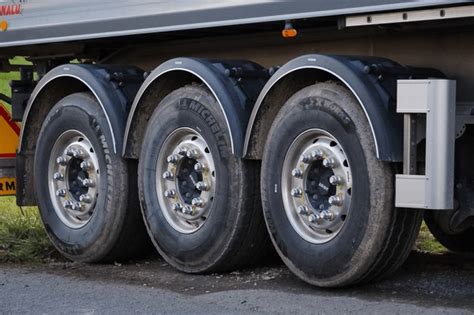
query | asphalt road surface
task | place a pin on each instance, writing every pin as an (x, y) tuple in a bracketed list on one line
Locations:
[(426, 284)]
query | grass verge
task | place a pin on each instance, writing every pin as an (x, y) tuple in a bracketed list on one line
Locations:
[(427, 243), (22, 237)]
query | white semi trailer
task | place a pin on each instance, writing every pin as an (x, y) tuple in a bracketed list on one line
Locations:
[(179, 121)]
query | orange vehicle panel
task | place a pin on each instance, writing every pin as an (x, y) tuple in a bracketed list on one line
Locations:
[(9, 133)]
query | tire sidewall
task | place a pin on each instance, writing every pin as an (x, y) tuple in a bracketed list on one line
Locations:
[(194, 108), (95, 239), (321, 264)]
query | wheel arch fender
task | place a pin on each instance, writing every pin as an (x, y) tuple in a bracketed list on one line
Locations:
[(375, 97), (106, 83), (234, 98)]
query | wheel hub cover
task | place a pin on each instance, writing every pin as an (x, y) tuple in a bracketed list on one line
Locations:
[(316, 186), (186, 180), (73, 178)]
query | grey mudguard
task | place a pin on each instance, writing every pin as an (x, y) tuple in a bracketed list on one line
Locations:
[(375, 96), (235, 96), (104, 83)]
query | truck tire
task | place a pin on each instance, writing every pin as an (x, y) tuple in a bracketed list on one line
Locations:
[(87, 195), (200, 203), (459, 239), (328, 201), (455, 241)]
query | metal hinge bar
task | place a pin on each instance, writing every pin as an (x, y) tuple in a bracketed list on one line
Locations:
[(411, 16)]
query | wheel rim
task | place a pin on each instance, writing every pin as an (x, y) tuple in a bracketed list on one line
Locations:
[(186, 180), (74, 178), (316, 186)]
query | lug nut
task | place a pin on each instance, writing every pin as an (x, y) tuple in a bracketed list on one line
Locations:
[(187, 210), (303, 210), (296, 192), (87, 182), (199, 167), (72, 205), (177, 206), (76, 206), (168, 175), (315, 218), (85, 166), (312, 156), (335, 180), (305, 158), (202, 186), (69, 152), (182, 150), (298, 173), (61, 192), (58, 176), (198, 202), (85, 198), (170, 193), (317, 154), (61, 160), (193, 154), (78, 154), (173, 159), (329, 162), (328, 215), (335, 201)]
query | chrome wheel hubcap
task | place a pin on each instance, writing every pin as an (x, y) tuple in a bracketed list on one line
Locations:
[(186, 180), (74, 178), (316, 186)]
